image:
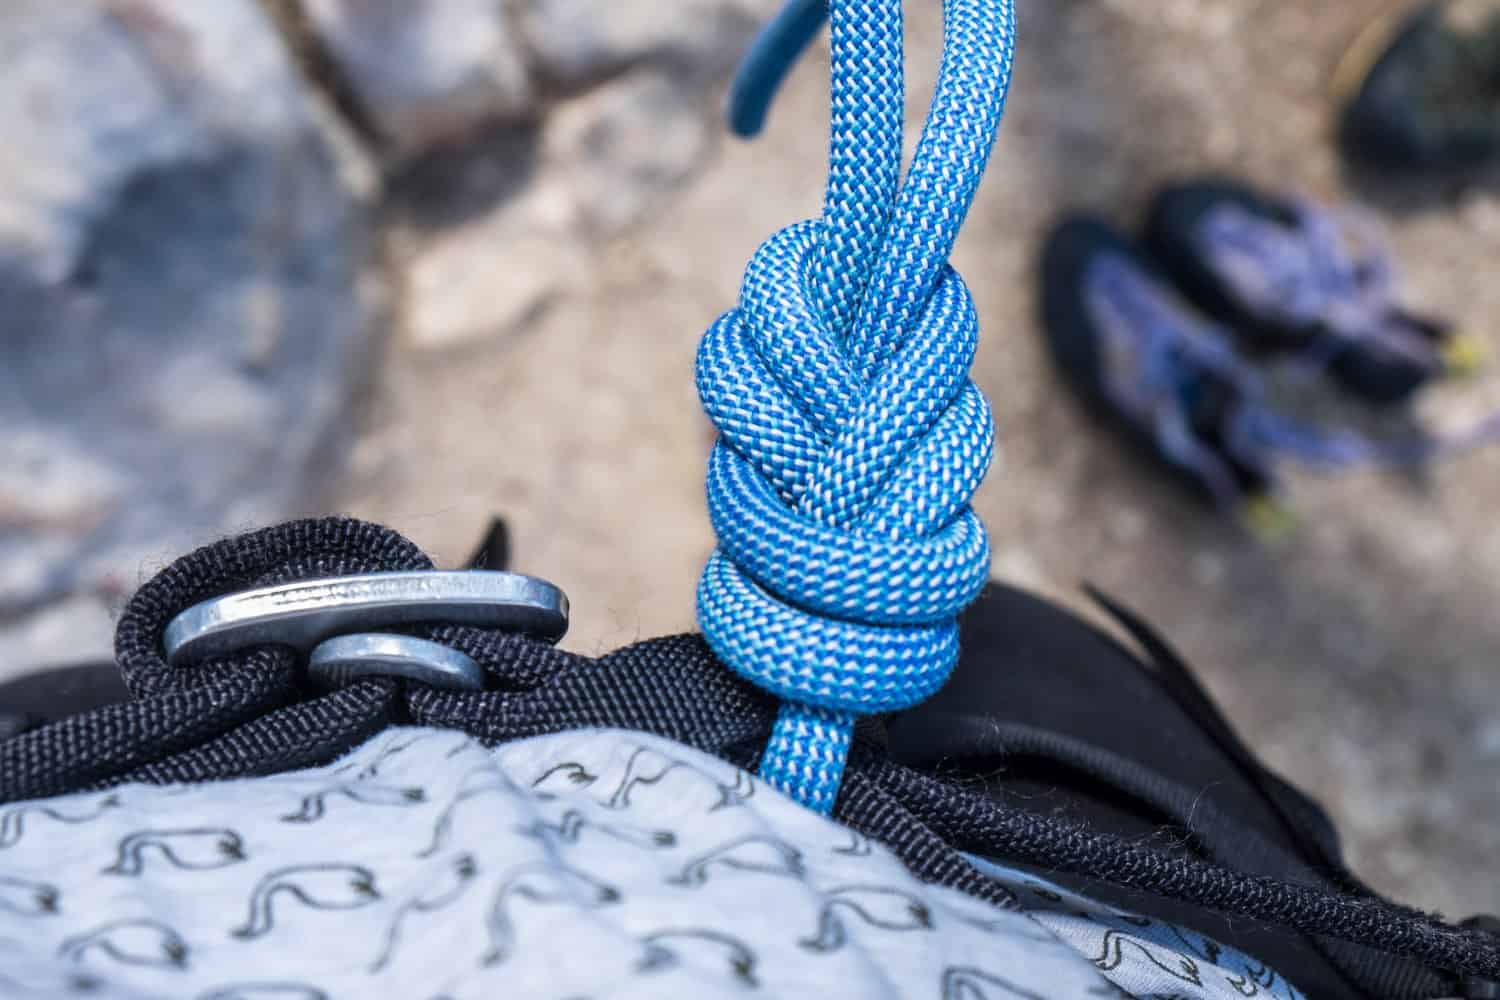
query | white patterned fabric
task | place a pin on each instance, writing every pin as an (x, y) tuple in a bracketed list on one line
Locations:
[(590, 864), (1144, 957)]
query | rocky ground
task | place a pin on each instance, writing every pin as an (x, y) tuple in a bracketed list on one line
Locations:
[(529, 227)]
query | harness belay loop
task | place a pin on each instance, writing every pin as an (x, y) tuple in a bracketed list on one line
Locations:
[(850, 436)]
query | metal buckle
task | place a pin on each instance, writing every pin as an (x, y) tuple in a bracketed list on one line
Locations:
[(308, 613), (335, 662)]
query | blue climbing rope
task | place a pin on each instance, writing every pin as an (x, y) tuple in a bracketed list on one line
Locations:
[(771, 57), (850, 436)]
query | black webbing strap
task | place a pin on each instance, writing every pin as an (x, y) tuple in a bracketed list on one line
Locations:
[(252, 714)]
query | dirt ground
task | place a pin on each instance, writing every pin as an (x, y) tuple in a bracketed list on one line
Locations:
[(1359, 657)]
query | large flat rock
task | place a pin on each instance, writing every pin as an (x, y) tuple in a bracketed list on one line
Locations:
[(185, 273)]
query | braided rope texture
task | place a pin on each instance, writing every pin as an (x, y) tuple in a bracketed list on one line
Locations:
[(850, 436)]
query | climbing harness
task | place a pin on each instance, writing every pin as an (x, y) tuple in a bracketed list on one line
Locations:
[(850, 438)]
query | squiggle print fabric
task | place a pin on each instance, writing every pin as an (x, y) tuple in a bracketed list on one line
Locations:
[(585, 865)]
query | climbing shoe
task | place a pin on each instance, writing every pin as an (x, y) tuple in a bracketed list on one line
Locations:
[(1145, 361), (1292, 277), (1424, 92)]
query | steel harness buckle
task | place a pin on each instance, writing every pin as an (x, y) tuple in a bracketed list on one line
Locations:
[(336, 622)]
